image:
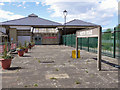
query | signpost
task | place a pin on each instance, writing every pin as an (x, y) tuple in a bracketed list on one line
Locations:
[(95, 32)]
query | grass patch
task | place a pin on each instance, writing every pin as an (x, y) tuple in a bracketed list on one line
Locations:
[(25, 86), (49, 64), (86, 71), (77, 82), (17, 70), (35, 58), (57, 69), (35, 85), (53, 78), (39, 61)]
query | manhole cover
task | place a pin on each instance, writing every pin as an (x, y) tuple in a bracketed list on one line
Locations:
[(57, 76)]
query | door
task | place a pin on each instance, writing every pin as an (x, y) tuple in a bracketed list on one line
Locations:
[(22, 39), (37, 40)]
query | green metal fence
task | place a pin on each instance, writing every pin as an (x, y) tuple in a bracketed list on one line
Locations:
[(110, 43), (69, 40)]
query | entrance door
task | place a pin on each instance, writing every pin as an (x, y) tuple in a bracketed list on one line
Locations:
[(22, 39), (38, 40)]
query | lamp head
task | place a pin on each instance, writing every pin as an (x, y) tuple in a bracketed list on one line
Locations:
[(65, 13)]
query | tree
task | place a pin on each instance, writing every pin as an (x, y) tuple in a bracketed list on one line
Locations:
[(107, 35)]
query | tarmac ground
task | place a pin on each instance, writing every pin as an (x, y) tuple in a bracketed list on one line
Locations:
[(51, 66)]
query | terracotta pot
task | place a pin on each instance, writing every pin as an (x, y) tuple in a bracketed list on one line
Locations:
[(26, 50), (21, 52), (30, 47), (5, 63), (33, 45)]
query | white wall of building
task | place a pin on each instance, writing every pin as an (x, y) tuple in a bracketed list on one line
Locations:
[(2, 29), (22, 39)]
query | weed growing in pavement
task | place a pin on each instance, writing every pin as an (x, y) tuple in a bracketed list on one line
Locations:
[(86, 71), (77, 82), (39, 61), (69, 61), (53, 78), (64, 64), (49, 64), (17, 70), (35, 85), (25, 86), (57, 69)]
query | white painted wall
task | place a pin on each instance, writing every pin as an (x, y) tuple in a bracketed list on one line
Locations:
[(2, 29), (22, 39)]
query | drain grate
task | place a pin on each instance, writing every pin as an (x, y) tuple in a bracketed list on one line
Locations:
[(47, 61)]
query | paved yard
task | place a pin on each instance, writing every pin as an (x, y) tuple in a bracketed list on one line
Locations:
[(51, 66)]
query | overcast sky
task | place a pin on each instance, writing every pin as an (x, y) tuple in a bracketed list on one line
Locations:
[(101, 12)]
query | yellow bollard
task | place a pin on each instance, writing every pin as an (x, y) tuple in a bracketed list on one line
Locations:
[(74, 53)]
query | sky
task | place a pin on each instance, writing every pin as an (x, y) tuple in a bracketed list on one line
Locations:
[(101, 12)]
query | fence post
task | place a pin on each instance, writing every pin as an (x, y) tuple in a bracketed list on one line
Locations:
[(70, 39), (99, 49), (88, 44), (81, 43), (114, 43), (65, 40), (76, 46)]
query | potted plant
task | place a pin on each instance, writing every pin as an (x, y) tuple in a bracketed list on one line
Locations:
[(32, 44), (6, 59), (20, 50), (26, 47)]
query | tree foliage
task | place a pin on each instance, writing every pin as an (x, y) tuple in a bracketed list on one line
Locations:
[(107, 35)]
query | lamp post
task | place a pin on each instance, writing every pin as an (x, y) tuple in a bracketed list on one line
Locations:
[(65, 14)]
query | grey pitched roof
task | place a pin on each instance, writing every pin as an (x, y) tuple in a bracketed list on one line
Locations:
[(31, 20), (77, 22)]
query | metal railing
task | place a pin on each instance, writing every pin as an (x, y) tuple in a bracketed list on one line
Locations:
[(110, 43)]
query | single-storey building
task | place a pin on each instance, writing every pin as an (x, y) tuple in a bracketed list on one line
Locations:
[(3, 37), (40, 30)]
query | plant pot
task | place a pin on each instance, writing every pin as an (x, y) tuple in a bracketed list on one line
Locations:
[(30, 46), (33, 45), (5, 63), (26, 50), (21, 53)]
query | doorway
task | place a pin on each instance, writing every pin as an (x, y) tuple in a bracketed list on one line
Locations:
[(38, 40)]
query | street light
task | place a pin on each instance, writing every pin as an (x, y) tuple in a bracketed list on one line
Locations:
[(65, 14)]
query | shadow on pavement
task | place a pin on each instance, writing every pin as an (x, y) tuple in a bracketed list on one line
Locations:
[(14, 68), (109, 70), (109, 63)]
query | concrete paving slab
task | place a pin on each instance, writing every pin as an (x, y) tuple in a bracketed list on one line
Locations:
[(37, 66)]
